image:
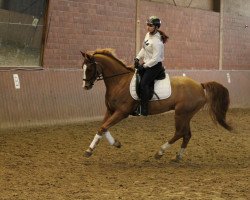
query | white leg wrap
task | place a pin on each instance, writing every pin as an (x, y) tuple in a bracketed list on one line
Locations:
[(109, 137), (83, 84), (165, 146), (181, 152), (160, 152), (84, 67), (95, 141)]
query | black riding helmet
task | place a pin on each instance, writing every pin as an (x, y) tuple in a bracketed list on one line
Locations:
[(153, 20)]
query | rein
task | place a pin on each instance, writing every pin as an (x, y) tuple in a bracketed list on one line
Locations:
[(99, 76), (107, 77)]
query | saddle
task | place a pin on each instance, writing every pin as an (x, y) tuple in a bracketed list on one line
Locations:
[(160, 87), (160, 76)]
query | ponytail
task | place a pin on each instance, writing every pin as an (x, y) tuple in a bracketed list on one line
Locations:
[(164, 37)]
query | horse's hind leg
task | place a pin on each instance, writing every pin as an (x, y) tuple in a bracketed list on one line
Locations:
[(186, 138), (182, 127), (166, 145)]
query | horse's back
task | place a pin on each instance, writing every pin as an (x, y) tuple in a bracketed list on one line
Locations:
[(180, 80), (185, 83)]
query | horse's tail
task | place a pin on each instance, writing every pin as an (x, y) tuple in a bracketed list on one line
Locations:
[(218, 101)]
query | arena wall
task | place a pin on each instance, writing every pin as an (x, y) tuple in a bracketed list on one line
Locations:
[(53, 94), (86, 26)]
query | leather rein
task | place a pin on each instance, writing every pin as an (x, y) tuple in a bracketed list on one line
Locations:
[(97, 75)]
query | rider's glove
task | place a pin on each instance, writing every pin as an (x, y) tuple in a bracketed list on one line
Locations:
[(136, 63), (140, 68)]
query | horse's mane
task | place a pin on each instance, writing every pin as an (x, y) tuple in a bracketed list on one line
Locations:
[(111, 53)]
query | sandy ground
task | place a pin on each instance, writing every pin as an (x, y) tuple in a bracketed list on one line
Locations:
[(48, 163)]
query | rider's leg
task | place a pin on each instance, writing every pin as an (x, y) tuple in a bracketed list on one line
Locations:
[(148, 78), (144, 91)]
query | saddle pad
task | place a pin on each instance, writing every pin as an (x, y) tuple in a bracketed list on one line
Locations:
[(162, 88)]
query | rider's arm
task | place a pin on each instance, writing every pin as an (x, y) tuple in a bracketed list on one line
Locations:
[(140, 55)]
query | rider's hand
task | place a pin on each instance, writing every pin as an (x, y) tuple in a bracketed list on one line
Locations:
[(136, 63), (140, 68)]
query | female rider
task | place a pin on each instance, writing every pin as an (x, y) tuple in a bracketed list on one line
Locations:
[(151, 55)]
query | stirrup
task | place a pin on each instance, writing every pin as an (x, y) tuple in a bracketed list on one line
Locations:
[(137, 111)]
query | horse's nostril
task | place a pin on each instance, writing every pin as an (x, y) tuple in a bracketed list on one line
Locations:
[(88, 87)]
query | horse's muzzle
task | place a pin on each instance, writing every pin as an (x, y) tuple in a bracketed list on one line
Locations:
[(88, 86)]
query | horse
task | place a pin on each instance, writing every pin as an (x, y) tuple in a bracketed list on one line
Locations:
[(186, 99)]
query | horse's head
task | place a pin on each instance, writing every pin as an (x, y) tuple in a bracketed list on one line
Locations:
[(91, 71)]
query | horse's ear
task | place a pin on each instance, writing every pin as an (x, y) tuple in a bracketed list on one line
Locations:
[(83, 54), (87, 56)]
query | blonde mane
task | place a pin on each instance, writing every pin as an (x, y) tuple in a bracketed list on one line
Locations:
[(111, 53)]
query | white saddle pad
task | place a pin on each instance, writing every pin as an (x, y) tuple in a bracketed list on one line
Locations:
[(162, 88)]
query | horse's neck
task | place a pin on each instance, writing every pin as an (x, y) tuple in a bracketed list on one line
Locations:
[(110, 66), (113, 71)]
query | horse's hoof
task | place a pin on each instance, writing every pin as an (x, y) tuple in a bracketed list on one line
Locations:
[(158, 156), (177, 159), (88, 153), (117, 144)]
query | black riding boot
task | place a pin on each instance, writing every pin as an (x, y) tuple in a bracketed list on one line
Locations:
[(144, 100), (144, 108)]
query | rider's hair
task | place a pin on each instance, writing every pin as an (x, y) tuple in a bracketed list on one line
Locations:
[(164, 37)]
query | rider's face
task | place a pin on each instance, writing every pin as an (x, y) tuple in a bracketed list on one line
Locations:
[(150, 28)]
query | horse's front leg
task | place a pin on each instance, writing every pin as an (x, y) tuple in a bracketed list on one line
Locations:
[(110, 121)]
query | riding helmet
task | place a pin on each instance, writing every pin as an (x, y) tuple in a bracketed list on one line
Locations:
[(154, 21)]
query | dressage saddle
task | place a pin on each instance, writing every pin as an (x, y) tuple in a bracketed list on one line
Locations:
[(160, 76)]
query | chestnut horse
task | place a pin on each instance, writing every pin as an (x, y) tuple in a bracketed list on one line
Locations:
[(188, 97)]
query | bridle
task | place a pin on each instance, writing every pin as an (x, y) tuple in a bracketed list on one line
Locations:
[(98, 73)]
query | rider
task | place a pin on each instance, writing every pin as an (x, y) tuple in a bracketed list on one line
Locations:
[(152, 55)]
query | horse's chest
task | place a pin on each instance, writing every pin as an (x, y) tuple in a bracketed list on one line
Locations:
[(112, 104), (117, 97)]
